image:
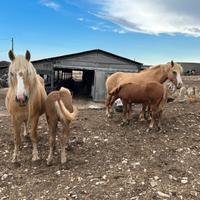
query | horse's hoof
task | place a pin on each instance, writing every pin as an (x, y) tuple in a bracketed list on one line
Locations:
[(35, 158), (16, 164), (122, 124), (149, 130), (36, 163), (141, 119), (49, 163), (108, 115), (63, 166), (27, 138)]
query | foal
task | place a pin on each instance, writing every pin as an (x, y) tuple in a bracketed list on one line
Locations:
[(151, 94), (59, 107)]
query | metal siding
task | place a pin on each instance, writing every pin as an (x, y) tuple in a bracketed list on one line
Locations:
[(99, 90), (91, 61)]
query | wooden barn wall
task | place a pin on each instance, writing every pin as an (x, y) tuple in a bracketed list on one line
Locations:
[(97, 61)]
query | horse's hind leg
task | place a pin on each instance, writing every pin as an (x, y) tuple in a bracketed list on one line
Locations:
[(108, 107), (63, 141), (154, 113), (109, 102), (159, 119), (129, 109), (17, 138), (142, 113), (52, 137), (125, 108), (34, 123)]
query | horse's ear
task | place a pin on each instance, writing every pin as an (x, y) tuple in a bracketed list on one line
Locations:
[(11, 55), (28, 55), (172, 63)]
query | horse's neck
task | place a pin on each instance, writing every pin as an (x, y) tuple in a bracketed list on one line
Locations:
[(160, 74)]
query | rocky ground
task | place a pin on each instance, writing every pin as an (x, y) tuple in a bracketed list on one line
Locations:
[(108, 161)]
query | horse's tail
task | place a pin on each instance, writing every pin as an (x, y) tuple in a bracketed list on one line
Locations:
[(63, 112), (115, 91)]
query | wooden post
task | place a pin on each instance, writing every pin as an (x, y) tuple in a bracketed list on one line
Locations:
[(52, 79)]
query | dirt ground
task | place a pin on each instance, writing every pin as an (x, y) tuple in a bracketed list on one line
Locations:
[(108, 161)]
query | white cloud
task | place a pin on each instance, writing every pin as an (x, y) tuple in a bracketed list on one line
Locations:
[(80, 19), (50, 4), (153, 16), (106, 28)]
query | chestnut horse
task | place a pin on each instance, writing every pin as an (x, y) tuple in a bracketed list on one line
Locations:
[(150, 93), (59, 108), (25, 100), (159, 73)]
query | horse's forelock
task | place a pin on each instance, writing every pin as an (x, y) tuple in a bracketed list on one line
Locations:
[(178, 68), (21, 64)]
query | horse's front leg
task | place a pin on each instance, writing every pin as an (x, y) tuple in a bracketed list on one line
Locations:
[(17, 139), (154, 110), (34, 123), (142, 113), (108, 106), (52, 138), (25, 129)]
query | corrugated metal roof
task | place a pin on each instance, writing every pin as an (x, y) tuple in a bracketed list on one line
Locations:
[(87, 52)]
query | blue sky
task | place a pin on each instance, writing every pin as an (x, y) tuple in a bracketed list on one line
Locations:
[(149, 31)]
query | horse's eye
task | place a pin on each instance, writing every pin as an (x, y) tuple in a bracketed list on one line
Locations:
[(11, 74), (174, 73)]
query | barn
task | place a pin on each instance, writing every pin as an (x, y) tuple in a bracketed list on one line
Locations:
[(190, 68), (84, 73)]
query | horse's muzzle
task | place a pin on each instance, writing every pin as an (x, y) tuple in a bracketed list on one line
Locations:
[(179, 85), (22, 101)]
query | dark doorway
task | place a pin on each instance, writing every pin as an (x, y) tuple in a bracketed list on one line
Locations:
[(79, 82)]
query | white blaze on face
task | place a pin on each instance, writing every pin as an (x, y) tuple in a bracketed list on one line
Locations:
[(179, 79), (20, 87)]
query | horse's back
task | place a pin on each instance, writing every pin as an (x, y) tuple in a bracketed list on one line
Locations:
[(132, 92), (117, 78), (64, 95), (141, 92)]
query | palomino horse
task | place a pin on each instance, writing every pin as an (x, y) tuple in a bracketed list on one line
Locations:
[(59, 108), (25, 100), (150, 93), (159, 73)]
